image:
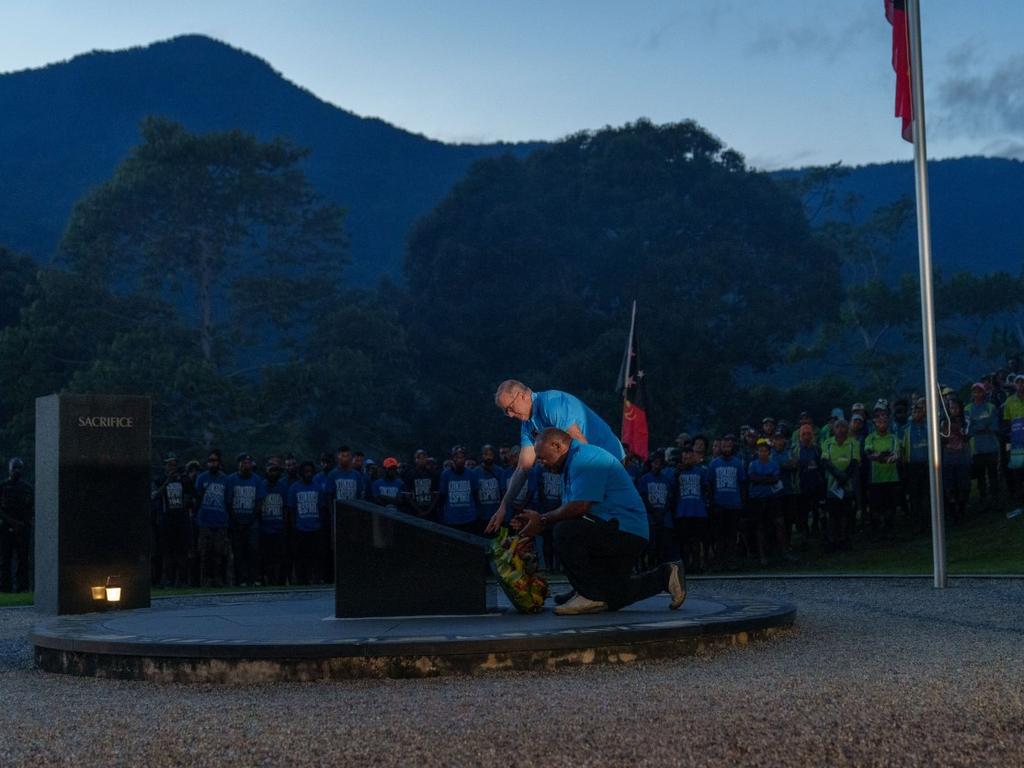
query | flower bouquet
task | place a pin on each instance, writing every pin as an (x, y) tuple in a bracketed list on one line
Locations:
[(516, 567)]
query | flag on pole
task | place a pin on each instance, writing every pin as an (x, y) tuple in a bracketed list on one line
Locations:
[(630, 385), (896, 14)]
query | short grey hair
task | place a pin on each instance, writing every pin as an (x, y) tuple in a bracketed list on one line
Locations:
[(509, 387)]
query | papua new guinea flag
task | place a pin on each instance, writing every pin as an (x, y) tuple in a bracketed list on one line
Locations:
[(634, 407), (896, 14)]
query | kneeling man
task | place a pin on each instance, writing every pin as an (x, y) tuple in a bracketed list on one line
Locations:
[(600, 530)]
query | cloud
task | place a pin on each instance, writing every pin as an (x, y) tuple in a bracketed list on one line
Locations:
[(816, 36), (983, 104), (706, 17), (774, 162), (1009, 148)]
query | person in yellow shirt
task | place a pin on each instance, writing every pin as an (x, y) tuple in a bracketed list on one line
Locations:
[(1013, 424)]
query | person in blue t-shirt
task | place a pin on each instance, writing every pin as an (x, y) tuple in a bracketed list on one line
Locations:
[(538, 411), (212, 522), (246, 491), (345, 482), (691, 512), (656, 488), (273, 526), (490, 484), (387, 491), (600, 530), (305, 504), (421, 485), (727, 479), (549, 498), (764, 511), (788, 459), (457, 494)]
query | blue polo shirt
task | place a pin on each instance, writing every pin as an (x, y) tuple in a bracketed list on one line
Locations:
[(593, 474), (560, 409)]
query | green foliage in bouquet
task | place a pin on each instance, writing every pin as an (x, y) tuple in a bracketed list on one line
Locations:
[(517, 568)]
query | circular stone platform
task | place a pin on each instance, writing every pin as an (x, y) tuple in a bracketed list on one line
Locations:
[(296, 637)]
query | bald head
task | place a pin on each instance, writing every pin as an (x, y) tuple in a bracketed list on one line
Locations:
[(551, 446)]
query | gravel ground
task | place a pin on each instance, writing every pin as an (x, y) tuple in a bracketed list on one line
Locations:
[(876, 672)]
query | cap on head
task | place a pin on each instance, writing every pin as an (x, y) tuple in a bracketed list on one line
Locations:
[(881, 404), (390, 463), (243, 457), (837, 413), (168, 458), (14, 464)]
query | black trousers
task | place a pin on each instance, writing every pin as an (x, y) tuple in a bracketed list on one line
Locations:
[(986, 469), (14, 545), (918, 492), (598, 560)]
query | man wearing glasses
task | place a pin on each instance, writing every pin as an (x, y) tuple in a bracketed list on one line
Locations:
[(212, 521), (538, 411)]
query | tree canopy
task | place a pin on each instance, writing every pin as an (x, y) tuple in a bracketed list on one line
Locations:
[(528, 268)]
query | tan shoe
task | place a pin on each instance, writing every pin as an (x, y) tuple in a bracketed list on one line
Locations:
[(676, 587), (579, 605)]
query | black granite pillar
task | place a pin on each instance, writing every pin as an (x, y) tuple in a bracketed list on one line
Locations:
[(389, 563), (92, 500)]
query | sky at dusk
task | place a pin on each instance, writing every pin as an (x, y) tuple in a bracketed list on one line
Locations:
[(785, 82)]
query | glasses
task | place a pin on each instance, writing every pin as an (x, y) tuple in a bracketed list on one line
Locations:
[(509, 411)]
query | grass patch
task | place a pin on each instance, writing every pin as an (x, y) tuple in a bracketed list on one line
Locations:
[(986, 543)]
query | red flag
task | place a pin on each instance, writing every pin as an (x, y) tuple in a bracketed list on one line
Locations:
[(634, 409), (896, 14)]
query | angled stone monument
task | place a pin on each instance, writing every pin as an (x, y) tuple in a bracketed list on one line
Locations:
[(390, 563), (92, 501)]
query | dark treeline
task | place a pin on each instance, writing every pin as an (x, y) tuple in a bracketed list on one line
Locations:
[(208, 273)]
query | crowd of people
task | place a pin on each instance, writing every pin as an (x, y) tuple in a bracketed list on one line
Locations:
[(762, 492)]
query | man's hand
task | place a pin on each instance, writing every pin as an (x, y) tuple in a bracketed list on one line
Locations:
[(527, 523), (496, 520)]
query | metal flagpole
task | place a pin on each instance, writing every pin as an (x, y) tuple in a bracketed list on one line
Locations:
[(629, 353), (924, 243)]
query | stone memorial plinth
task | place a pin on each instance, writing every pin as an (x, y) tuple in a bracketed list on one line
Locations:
[(390, 563), (92, 501)]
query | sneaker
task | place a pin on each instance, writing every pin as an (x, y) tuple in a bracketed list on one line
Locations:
[(564, 597), (676, 586), (579, 605)]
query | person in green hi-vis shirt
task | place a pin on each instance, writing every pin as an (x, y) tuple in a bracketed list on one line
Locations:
[(1013, 423), (882, 449)]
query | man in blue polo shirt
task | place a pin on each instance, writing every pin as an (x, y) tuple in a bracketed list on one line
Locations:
[(212, 521), (537, 411), (600, 529)]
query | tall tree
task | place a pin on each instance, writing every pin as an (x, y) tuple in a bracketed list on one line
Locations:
[(228, 223), (528, 268)]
